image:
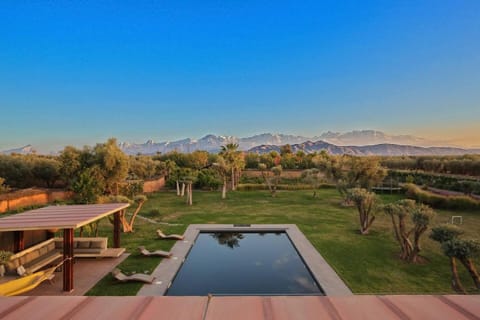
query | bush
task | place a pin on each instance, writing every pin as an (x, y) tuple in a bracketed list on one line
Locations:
[(208, 179), (439, 201)]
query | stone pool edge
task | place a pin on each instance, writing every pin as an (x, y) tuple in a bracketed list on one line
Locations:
[(323, 273)]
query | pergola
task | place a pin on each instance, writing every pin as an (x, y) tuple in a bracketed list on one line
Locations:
[(68, 218)]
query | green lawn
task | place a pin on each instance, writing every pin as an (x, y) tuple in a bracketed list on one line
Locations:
[(368, 264)]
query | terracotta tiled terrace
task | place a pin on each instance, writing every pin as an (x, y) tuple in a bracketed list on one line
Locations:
[(241, 308)]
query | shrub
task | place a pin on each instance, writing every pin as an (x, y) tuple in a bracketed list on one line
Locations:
[(208, 179), (440, 201)]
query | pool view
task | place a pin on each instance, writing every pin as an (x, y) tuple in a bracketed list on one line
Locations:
[(247, 263)]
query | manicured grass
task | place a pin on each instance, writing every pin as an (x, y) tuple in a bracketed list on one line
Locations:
[(368, 264)]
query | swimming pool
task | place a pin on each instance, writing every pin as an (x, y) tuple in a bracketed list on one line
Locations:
[(169, 272), (243, 263)]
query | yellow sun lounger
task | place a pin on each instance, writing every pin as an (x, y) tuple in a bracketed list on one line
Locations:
[(27, 283)]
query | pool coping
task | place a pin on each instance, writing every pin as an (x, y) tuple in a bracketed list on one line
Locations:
[(323, 273)]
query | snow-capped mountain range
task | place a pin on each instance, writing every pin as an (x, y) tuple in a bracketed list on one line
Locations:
[(383, 149), (360, 142), (213, 143), (23, 150)]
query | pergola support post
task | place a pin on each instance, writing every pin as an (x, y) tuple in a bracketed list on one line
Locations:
[(19, 241), (116, 229), (68, 260)]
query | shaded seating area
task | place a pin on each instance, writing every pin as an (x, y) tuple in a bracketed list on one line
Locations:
[(34, 258), (91, 247), (164, 236), (66, 218), (137, 277), (156, 253)]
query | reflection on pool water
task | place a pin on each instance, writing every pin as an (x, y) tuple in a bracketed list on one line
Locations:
[(233, 263)]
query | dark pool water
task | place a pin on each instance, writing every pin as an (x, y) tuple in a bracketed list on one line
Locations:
[(243, 264)]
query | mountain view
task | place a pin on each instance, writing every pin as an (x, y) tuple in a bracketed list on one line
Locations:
[(359, 142)]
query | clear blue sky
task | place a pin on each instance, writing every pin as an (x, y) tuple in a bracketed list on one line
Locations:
[(80, 73)]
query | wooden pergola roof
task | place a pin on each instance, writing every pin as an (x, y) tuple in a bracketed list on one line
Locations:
[(68, 218), (59, 217)]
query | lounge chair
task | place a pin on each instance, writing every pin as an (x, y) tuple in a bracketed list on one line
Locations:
[(140, 277), (26, 283), (156, 253), (162, 235)]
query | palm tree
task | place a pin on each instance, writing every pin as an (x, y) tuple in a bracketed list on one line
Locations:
[(235, 160), (223, 169)]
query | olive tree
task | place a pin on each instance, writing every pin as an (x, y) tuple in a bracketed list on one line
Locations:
[(409, 237), (464, 250), (271, 177), (313, 177), (422, 216), (365, 202), (399, 212), (456, 248), (443, 234)]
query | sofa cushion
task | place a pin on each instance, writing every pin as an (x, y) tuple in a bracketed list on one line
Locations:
[(33, 255), (42, 261), (43, 250), (98, 244), (83, 244), (51, 246)]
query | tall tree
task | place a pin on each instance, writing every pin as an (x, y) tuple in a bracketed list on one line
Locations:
[(223, 169), (88, 186), (142, 167), (70, 164), (46, 170), (351, 172), (113, 164), (235, 160)]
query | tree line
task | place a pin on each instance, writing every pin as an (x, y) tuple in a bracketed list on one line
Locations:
[(461, 165)]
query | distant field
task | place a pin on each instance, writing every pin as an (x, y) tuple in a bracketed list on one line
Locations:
[(367, 264)]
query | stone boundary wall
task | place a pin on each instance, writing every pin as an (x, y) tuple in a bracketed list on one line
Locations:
[(289, 174), (30, 197), (153, 185)]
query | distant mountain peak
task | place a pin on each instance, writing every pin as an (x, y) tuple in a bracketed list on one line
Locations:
[(28, 149)]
